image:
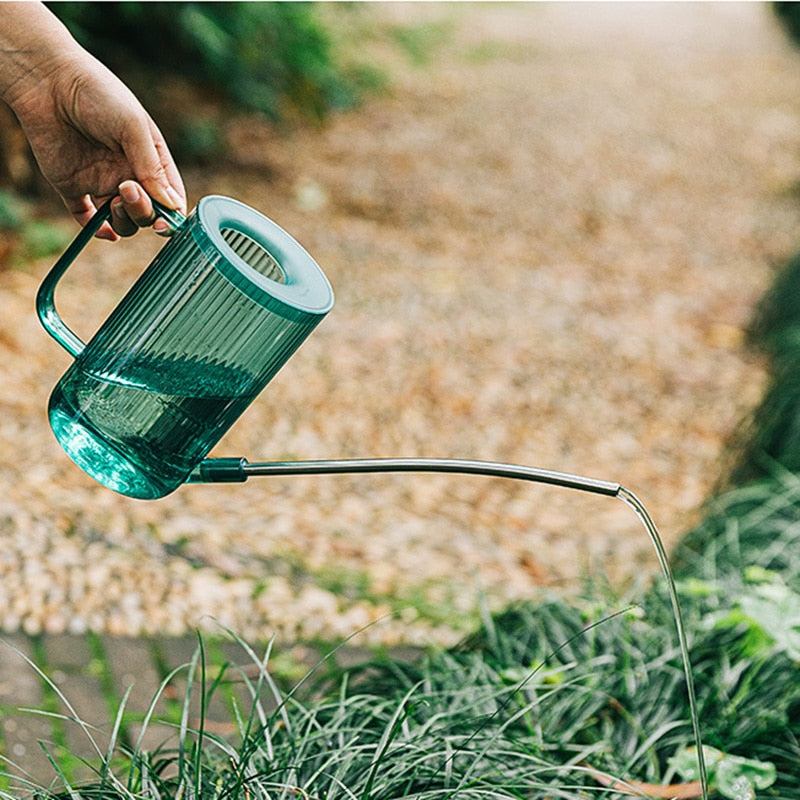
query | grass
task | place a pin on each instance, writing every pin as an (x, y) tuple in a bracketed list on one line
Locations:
[(533, 704), (541, 701)]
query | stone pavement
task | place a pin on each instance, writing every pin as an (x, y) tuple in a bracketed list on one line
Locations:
[(89, 675), (93, 674)]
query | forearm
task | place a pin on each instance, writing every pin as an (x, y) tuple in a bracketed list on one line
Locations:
[(34, 45)]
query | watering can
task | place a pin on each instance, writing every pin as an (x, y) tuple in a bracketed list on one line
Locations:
[(216, 314), (219, 310)]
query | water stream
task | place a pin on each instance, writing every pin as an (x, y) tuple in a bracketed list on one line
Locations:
[(630, 499)]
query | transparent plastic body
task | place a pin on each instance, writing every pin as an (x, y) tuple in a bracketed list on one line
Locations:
[(217, 313)]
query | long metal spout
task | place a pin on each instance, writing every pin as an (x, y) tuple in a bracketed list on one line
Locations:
[(238, 470)]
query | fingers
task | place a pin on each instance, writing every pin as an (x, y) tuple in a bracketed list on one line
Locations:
[(131, 209), (107, 232), (174, 188), (151, 172)]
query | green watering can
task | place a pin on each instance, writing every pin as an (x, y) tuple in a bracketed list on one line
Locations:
[(216, 314)]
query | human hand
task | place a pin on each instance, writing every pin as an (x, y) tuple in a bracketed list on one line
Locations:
[(90, 136)]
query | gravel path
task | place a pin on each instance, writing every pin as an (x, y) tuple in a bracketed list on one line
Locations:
[(545, 244)]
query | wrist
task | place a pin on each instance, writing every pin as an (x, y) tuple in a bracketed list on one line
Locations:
[(35, 47)]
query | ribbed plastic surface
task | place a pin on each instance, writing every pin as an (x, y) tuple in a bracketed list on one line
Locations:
[(182, 355)]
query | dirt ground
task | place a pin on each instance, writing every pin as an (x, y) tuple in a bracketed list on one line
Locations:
[(545, 242)]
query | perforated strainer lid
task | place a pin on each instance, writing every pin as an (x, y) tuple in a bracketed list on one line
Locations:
[(262, 260)]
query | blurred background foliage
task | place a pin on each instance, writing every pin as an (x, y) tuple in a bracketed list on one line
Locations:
[(268, 57), (788, 13)]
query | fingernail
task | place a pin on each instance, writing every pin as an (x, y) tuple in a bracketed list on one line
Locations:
[(129, 191)]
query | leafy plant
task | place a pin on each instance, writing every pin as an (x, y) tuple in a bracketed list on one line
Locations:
[(734, 777), (770, 611), (419, 42), (265, 57), (14, 212)]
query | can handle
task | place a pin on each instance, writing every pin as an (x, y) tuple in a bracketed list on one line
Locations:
[(45, 304)]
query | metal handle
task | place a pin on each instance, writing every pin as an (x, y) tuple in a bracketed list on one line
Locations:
[(45, 303)]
